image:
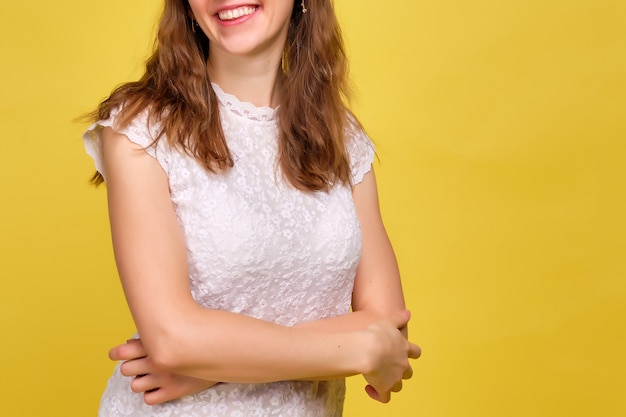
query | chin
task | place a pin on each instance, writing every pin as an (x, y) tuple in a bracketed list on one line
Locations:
[(248, 46)]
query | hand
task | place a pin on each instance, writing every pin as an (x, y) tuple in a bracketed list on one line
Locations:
[(157, 386), (391, 357)]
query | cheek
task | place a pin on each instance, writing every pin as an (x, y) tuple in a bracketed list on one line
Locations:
[(283, 13), (285, 7)]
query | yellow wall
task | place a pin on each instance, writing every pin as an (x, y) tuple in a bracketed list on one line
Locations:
[(500, 130)]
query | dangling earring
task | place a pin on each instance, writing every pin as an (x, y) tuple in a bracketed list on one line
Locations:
[(304, 9), (193, 25)]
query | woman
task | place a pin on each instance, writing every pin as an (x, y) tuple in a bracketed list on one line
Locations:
[(245, 220)]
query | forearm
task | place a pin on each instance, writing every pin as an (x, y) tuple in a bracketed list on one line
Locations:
[(336, 328), (354, 321), (227, 347), (383, 371)]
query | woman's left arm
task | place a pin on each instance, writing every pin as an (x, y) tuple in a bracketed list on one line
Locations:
[(377, 290)]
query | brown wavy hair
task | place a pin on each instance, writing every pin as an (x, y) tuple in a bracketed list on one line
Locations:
[(312, 117)]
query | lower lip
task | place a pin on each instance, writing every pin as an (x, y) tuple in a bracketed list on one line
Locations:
[(237, 21)]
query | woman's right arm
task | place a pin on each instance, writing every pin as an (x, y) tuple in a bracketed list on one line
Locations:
[(181, 336)]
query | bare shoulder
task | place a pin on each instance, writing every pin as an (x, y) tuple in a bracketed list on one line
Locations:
[(365, 195), (128, 162), (114, 142)]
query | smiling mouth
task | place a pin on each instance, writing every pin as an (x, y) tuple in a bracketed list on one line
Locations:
[(234, 14)]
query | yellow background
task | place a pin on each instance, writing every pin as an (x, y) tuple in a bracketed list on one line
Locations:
[(501, 135)]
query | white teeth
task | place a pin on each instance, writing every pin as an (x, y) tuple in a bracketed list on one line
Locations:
[(236, 13)]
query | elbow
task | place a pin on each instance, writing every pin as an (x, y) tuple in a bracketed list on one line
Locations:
[(165, 356), (165, 350), (168, 339)]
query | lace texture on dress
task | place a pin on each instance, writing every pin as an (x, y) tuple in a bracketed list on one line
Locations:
[(248, 110), (256, 246)]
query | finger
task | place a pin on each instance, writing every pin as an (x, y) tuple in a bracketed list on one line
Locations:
[(155, 397), (132, 349), (414, 351), (114, 354), (163, 389), (401, 319), (405, 331), (145, 383), (137, 367), (397, 387), (158, 396), (371, 391), (384, 397), (408, 374)]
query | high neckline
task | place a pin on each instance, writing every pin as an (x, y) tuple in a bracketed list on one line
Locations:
[(243, 108)]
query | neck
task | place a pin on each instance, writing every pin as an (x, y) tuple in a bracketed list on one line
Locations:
[(253, 79)]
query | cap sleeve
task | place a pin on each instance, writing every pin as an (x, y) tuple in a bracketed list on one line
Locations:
[(139, 131), (361, 153)]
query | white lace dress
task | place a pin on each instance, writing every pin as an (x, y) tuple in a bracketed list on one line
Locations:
[(256, 246)]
